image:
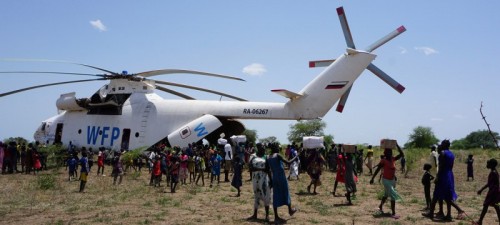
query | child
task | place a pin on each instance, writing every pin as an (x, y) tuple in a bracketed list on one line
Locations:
[(369, 158), (200, 167), (84, 172), (294, 167), (470, 168), (403, 164), (493, 196), (157, 170), (100, 162), (191, 169), (36, 161), (183, 171), (117, 168), (426, 181), (215, 161), (237, 177), (72, 167), (174, 173)]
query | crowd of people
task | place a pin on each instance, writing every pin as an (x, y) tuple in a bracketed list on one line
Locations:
[(266, 165), (27, 156)]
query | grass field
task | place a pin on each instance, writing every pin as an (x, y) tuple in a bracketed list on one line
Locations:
[(49, 198)]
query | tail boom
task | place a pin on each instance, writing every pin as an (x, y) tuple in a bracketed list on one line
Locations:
[(319, 96)]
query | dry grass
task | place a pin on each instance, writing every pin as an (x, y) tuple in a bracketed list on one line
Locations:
[(22, 201)]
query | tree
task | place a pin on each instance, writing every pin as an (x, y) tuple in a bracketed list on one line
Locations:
[(305, 128), (422, 137), (459, 144), (251, 135), (18, 140), (492, 134), (328, 139), (481, 139), (270, 139)]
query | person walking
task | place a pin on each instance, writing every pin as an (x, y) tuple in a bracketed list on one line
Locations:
[(388, 179), (445, 184), (493, 197), (281, 193), (84, 171), (261, 181)]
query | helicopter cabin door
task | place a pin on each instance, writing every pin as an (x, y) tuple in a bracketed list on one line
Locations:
[(125, 139), (58, 136)]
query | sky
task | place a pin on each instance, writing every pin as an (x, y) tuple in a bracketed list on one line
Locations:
[(446, 59)]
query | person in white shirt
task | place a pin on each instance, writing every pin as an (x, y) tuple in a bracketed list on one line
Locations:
[(434, 158), (227, 161)]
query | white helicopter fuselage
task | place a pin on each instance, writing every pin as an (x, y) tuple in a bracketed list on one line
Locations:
[(145, 118)]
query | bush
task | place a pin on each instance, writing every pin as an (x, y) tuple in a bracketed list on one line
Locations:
[(46, 181), (55, 155)]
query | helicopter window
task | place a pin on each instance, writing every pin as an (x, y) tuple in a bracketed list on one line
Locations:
[(144, 88), (43, 126), (136, 134), (113, 89), (79, 131), (106, 87)]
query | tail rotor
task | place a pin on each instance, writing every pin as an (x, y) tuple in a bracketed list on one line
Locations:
[(374, 69)]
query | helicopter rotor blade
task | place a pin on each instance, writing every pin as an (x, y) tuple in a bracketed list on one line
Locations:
[(199, 89), (174, 92), (59, 61), (46, 85), (50, 72), (172, 71), (386, 78), (343, 100), (345, 28), (386, 38)]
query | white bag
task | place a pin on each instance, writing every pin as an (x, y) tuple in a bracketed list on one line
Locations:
[(311, 142), (239, 138)]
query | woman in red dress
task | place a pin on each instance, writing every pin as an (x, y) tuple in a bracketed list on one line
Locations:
[(340, 171), (36, 161)]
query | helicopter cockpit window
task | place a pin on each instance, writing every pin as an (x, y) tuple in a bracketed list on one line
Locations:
[(43, 126)]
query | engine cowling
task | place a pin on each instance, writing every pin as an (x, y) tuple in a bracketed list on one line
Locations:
[(194, 131), (68, 102)]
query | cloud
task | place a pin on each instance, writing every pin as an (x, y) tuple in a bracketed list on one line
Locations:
[(97, 24), (254, 69), (403, 50), (427, 50)]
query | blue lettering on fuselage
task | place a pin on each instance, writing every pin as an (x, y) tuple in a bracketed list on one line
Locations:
[(115, 134), (201, 130), (92, 134), (96, 132)]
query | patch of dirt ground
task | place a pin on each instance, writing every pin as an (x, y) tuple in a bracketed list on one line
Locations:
[(135, 202)]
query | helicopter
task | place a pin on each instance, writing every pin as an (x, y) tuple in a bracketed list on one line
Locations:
[(126, 113)]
